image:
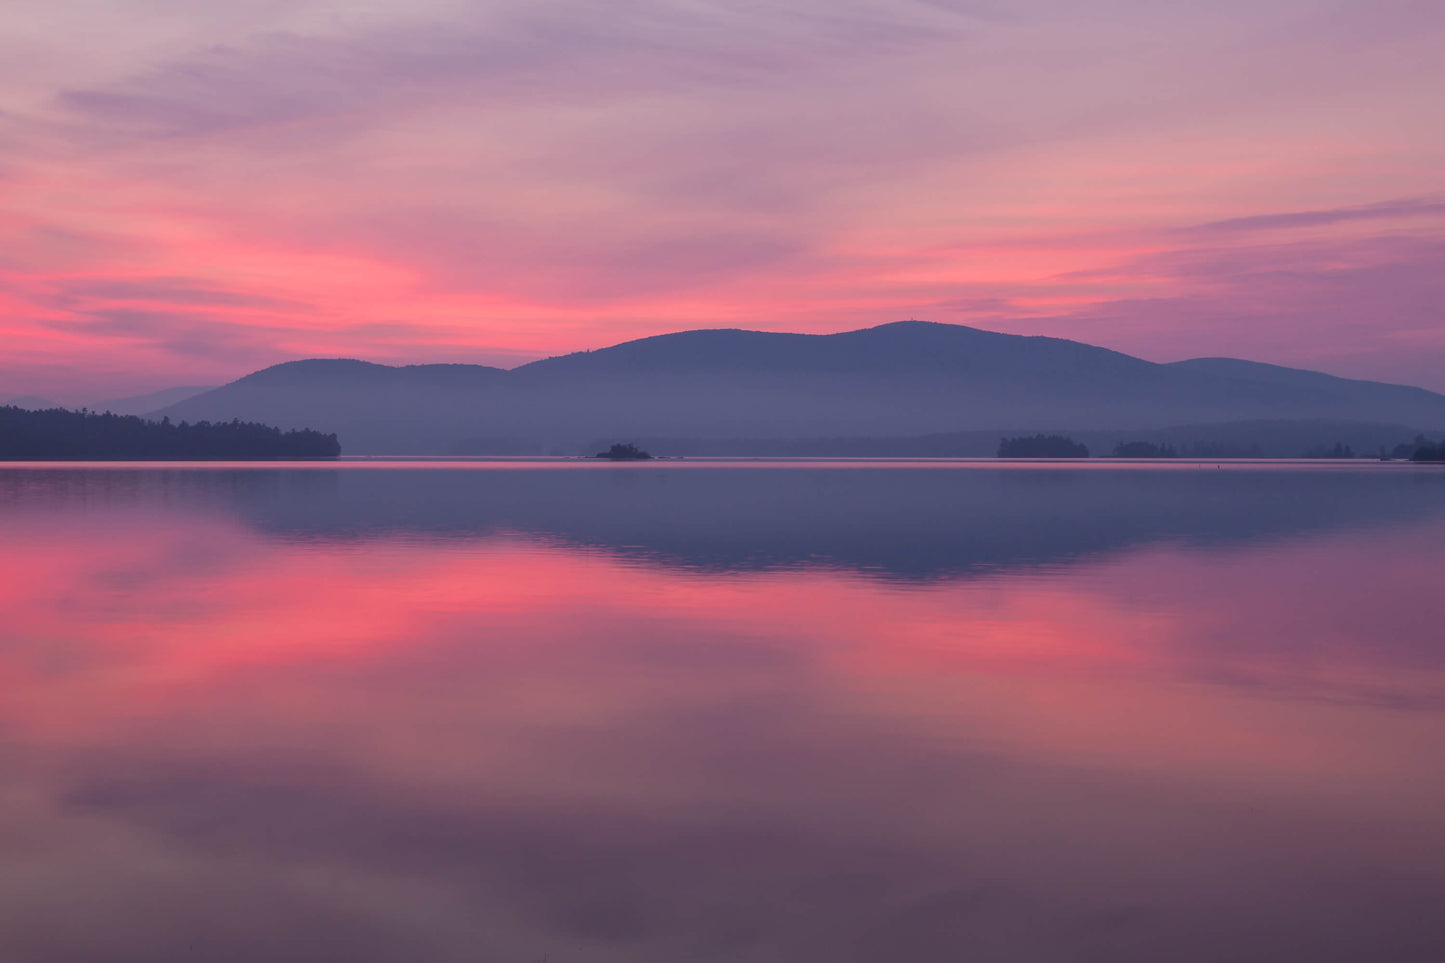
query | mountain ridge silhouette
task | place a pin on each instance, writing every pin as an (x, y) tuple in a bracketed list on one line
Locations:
[(898, 379)]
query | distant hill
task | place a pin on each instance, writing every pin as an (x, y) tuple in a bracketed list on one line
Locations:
[(132, 405), (30, 403), (906, 379), (144, 404)]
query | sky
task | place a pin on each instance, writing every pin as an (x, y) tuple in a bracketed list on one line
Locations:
[(189, 192)]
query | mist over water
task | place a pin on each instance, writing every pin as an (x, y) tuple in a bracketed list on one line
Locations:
[(734, 712)]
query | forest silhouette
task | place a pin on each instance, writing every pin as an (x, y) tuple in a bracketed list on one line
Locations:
[(62, 434), (1428, 452)]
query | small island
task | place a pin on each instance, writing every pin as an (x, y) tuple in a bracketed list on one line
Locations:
[(623, 452), (85, 435), (1041, 446)]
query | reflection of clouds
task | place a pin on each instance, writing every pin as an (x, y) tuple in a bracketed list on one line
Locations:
[(90, 887), (401, 746)]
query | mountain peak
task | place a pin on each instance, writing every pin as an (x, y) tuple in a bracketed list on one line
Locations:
[(317, 368), (886, 349)]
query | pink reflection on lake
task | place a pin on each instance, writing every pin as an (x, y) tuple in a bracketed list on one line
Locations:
[(505, 747)]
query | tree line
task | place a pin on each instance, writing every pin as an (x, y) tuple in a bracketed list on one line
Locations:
[(61, 434), (1144, 449), (1041, 446), (1429, 452)]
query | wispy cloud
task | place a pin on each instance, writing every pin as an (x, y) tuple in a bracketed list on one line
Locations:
[(179, 333), (184, 292), (1386, 210), (563, 53)]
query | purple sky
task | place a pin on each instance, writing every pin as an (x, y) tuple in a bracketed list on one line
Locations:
[(192, 191)]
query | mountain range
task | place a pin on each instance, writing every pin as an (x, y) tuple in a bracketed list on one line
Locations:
[(906, 379)]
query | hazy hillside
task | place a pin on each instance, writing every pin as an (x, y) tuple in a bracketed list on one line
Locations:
[(30, 403), (143, 404), (133, 405), (905, 379)]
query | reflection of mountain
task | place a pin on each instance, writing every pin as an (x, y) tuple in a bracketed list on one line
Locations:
[(893, 522), (905, 379)]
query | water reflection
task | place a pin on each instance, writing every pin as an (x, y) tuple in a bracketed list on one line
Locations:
[(441, 715), (904, 522)]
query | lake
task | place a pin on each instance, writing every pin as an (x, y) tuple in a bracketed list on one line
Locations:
[(514, 710)]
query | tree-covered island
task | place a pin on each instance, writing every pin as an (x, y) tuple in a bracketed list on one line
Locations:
[(623, 452)]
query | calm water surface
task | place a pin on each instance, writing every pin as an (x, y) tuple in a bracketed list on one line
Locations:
[(792, 713)]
